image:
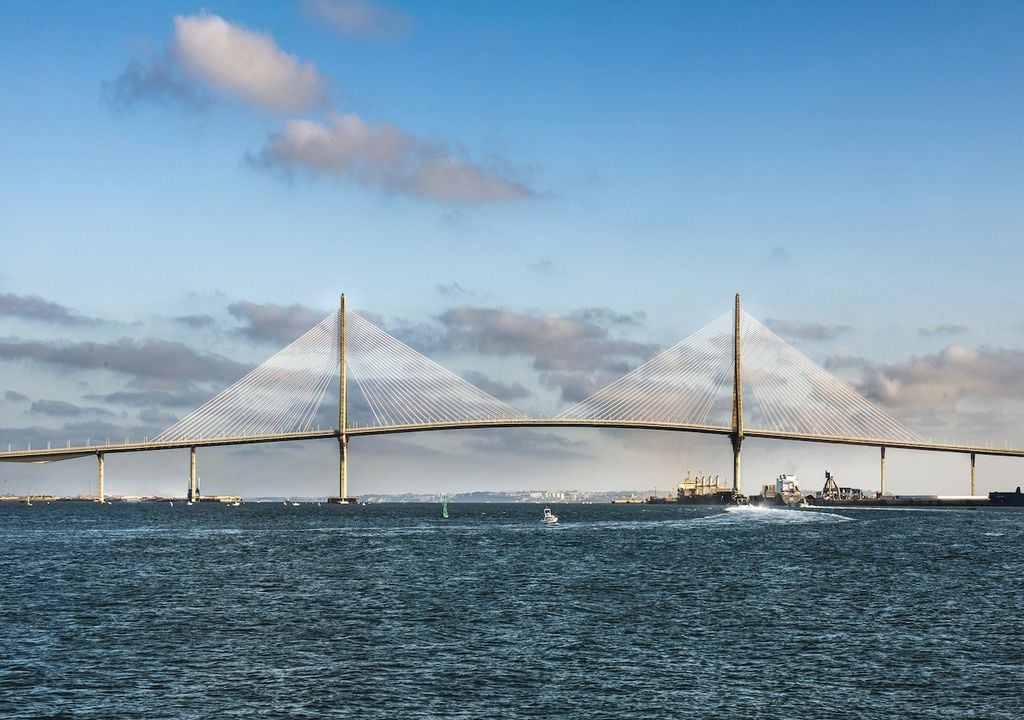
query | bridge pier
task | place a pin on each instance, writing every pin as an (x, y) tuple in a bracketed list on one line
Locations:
[(881, 485), (736, 442), (343, 496), (99, 478), (193, 482), (972, 474)]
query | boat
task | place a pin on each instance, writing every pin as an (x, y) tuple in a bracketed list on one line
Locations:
[(444, 507), (549, 517), (703, 490), (787, 492)]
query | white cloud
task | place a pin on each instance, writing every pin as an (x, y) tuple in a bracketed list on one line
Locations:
[(943, 379), (388, 157), (246, 64), (360, 19)]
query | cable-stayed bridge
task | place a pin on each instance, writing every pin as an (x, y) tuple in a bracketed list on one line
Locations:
[(733, 377)]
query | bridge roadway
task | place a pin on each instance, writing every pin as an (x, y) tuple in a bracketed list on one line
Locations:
[(67, 453)]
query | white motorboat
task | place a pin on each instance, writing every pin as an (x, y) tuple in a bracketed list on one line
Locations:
[(549, 517)]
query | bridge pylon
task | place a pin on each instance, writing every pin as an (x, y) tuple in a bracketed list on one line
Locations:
[(343, 497), (737, 402)]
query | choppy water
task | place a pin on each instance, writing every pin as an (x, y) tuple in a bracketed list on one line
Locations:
[(268, 611)]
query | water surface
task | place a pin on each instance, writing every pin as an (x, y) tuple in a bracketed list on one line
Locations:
[(388, 611)]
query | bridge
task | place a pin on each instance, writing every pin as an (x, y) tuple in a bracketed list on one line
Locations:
[(734, 377)]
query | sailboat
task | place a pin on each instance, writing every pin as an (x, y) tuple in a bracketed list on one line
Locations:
[(444, 507)]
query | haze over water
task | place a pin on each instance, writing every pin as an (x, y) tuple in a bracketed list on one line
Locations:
[(388, 611)]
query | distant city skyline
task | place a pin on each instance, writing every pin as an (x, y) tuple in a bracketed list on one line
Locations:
[(538, 197)]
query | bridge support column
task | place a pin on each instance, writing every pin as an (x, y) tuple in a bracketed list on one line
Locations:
[(736, 484), (343, 496), (99, 478), (343, 467), (737, 400), (193, 482), (972, 474), (881, 485)]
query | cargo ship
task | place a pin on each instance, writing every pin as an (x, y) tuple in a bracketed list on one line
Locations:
[(701, 490)]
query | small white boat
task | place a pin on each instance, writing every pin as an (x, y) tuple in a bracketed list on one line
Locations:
[(549, 517), (295, 504)]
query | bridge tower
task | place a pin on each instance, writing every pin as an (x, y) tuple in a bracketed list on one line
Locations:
[(737, 403), (343, 497)]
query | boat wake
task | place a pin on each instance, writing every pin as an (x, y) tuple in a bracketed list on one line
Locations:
[(776, 515)]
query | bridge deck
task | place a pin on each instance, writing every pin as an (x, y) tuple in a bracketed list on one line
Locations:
[(67, 453)]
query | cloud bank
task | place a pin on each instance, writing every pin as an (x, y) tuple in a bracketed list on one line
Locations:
[(270, 323), (943, 379), (61, 408), (386, 157), (574, 354), (506, 392), (33, 307), (146, 358)]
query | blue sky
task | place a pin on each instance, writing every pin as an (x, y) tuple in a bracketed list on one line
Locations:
[(855, 170)]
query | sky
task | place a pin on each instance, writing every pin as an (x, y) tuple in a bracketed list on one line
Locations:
[(539, 196)]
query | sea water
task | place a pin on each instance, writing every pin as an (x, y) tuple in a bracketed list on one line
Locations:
[(389, 611)]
